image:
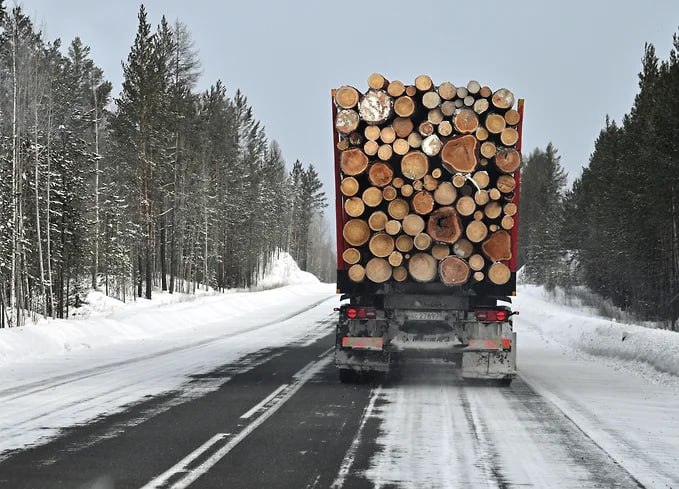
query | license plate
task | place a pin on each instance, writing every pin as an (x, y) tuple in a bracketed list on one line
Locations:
[(425, 316)]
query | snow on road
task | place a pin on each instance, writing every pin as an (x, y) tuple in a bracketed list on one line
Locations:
[(139, 352)]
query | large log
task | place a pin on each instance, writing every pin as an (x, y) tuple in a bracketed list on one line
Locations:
[(375, 107), (404, 243), (454, 270), (380, 174), (509, 136), (431, 100), (347, 121), (413, 224), (398, 209), (459, 154), (396, 88), (356, 232), (495, 123), (463, 248), (476, 231), (422, 241), (415, 165), (381, 245), (403, 126), (356, 273), (378, 270), (353, 162), (508, 160), (444, 225), (503, 99), (465, 121), (404, 106), (377, 82), (347, 97), (422, 267), (377, 221), (349, 186), (465, 206), (431, 146), (351, 256), (354, 207), (424, 83), (372, 196), (447, 91), (498, 247), (440, 251), (423, 202), (445, 193), (499, 273), (512, 117)]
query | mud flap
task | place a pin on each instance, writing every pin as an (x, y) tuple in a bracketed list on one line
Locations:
[(490, 364), (362, 361)]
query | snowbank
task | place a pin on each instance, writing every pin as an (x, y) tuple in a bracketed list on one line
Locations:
[(283, 270), (580, 329)]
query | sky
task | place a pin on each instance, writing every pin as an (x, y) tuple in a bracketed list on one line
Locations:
[(573, 62)]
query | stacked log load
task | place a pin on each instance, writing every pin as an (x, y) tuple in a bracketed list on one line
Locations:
[(427, 180)]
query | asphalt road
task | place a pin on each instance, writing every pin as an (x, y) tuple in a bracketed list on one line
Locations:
[(287, 422)]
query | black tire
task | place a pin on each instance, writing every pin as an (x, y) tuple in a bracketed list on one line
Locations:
[(506, 382), (347, 376)]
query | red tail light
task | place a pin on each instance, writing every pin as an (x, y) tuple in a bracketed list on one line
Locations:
[(358, 312), (491, 315)]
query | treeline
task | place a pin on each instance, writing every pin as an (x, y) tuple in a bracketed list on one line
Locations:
[(162, 186), (618, 226)]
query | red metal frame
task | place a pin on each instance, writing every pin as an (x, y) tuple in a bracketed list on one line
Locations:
[(339, 203), (517, 193)]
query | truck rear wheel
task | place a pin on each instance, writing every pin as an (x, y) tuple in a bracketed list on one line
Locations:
[(347, 376)]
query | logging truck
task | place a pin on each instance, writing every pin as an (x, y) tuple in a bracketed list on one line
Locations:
[(427, 184)]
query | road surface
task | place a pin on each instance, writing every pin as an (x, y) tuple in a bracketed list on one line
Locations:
[(277, 417)]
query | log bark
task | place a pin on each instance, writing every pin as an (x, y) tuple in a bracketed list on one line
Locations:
[(476, 231), (400, 274), (387, 134), (440, 251), (401, 147), (463, 248), (503, 99), (445, 128), (445, 193), (356, 232), (377, 82), (453, 270), (351, 256), (393, 227), (381, 245), (403, 126), (422, 241), (465, 206), (377, 221), (372, 133), (378, 270), (415, 165), (349, 186), (347, 97), (347, 121), (498, 247), (372, 196), (389, 193), (506, 183), (380, 174), (431, 100), (370, 148), (432, 145), (459, 154), (495, 123), (424, 83), (356, 273), (508, 160), (376, 106), (413, 224), (493, 210), (415, 140), (447, 91), (509, 136), (404, 106), (395, 258), (385, 152), (488, 149), (355, 139), (423, 202), (512, 117), (404, 243), (354, 207), (499, 273), (507, 222), (465, 121), (396, 88), (444, 225), (398, 209), (422, 267)]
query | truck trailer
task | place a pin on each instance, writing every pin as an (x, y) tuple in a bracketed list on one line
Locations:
[(427, 187)]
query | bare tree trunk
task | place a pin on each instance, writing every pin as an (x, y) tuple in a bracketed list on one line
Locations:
[(37, 203), (95, 264)]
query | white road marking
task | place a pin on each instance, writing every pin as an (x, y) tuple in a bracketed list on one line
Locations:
[(263, 402), (192, 474), (350, 456)]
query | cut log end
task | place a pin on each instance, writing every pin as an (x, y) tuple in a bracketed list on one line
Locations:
[(380, 174), (378, 270), (459, 154), (377, 221), (351, 256), (444, 225), (349, 186), (375, 107), (353, 162), (347, 121), (356, 273), (356, 232), (499, 273), (422, 267), (454, 271), (415, 165), (381, 245), (347, 97), (498, 247)]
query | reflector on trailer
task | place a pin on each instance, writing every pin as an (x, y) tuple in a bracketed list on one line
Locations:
[(360, 312), (362, 342), (490, 315)]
